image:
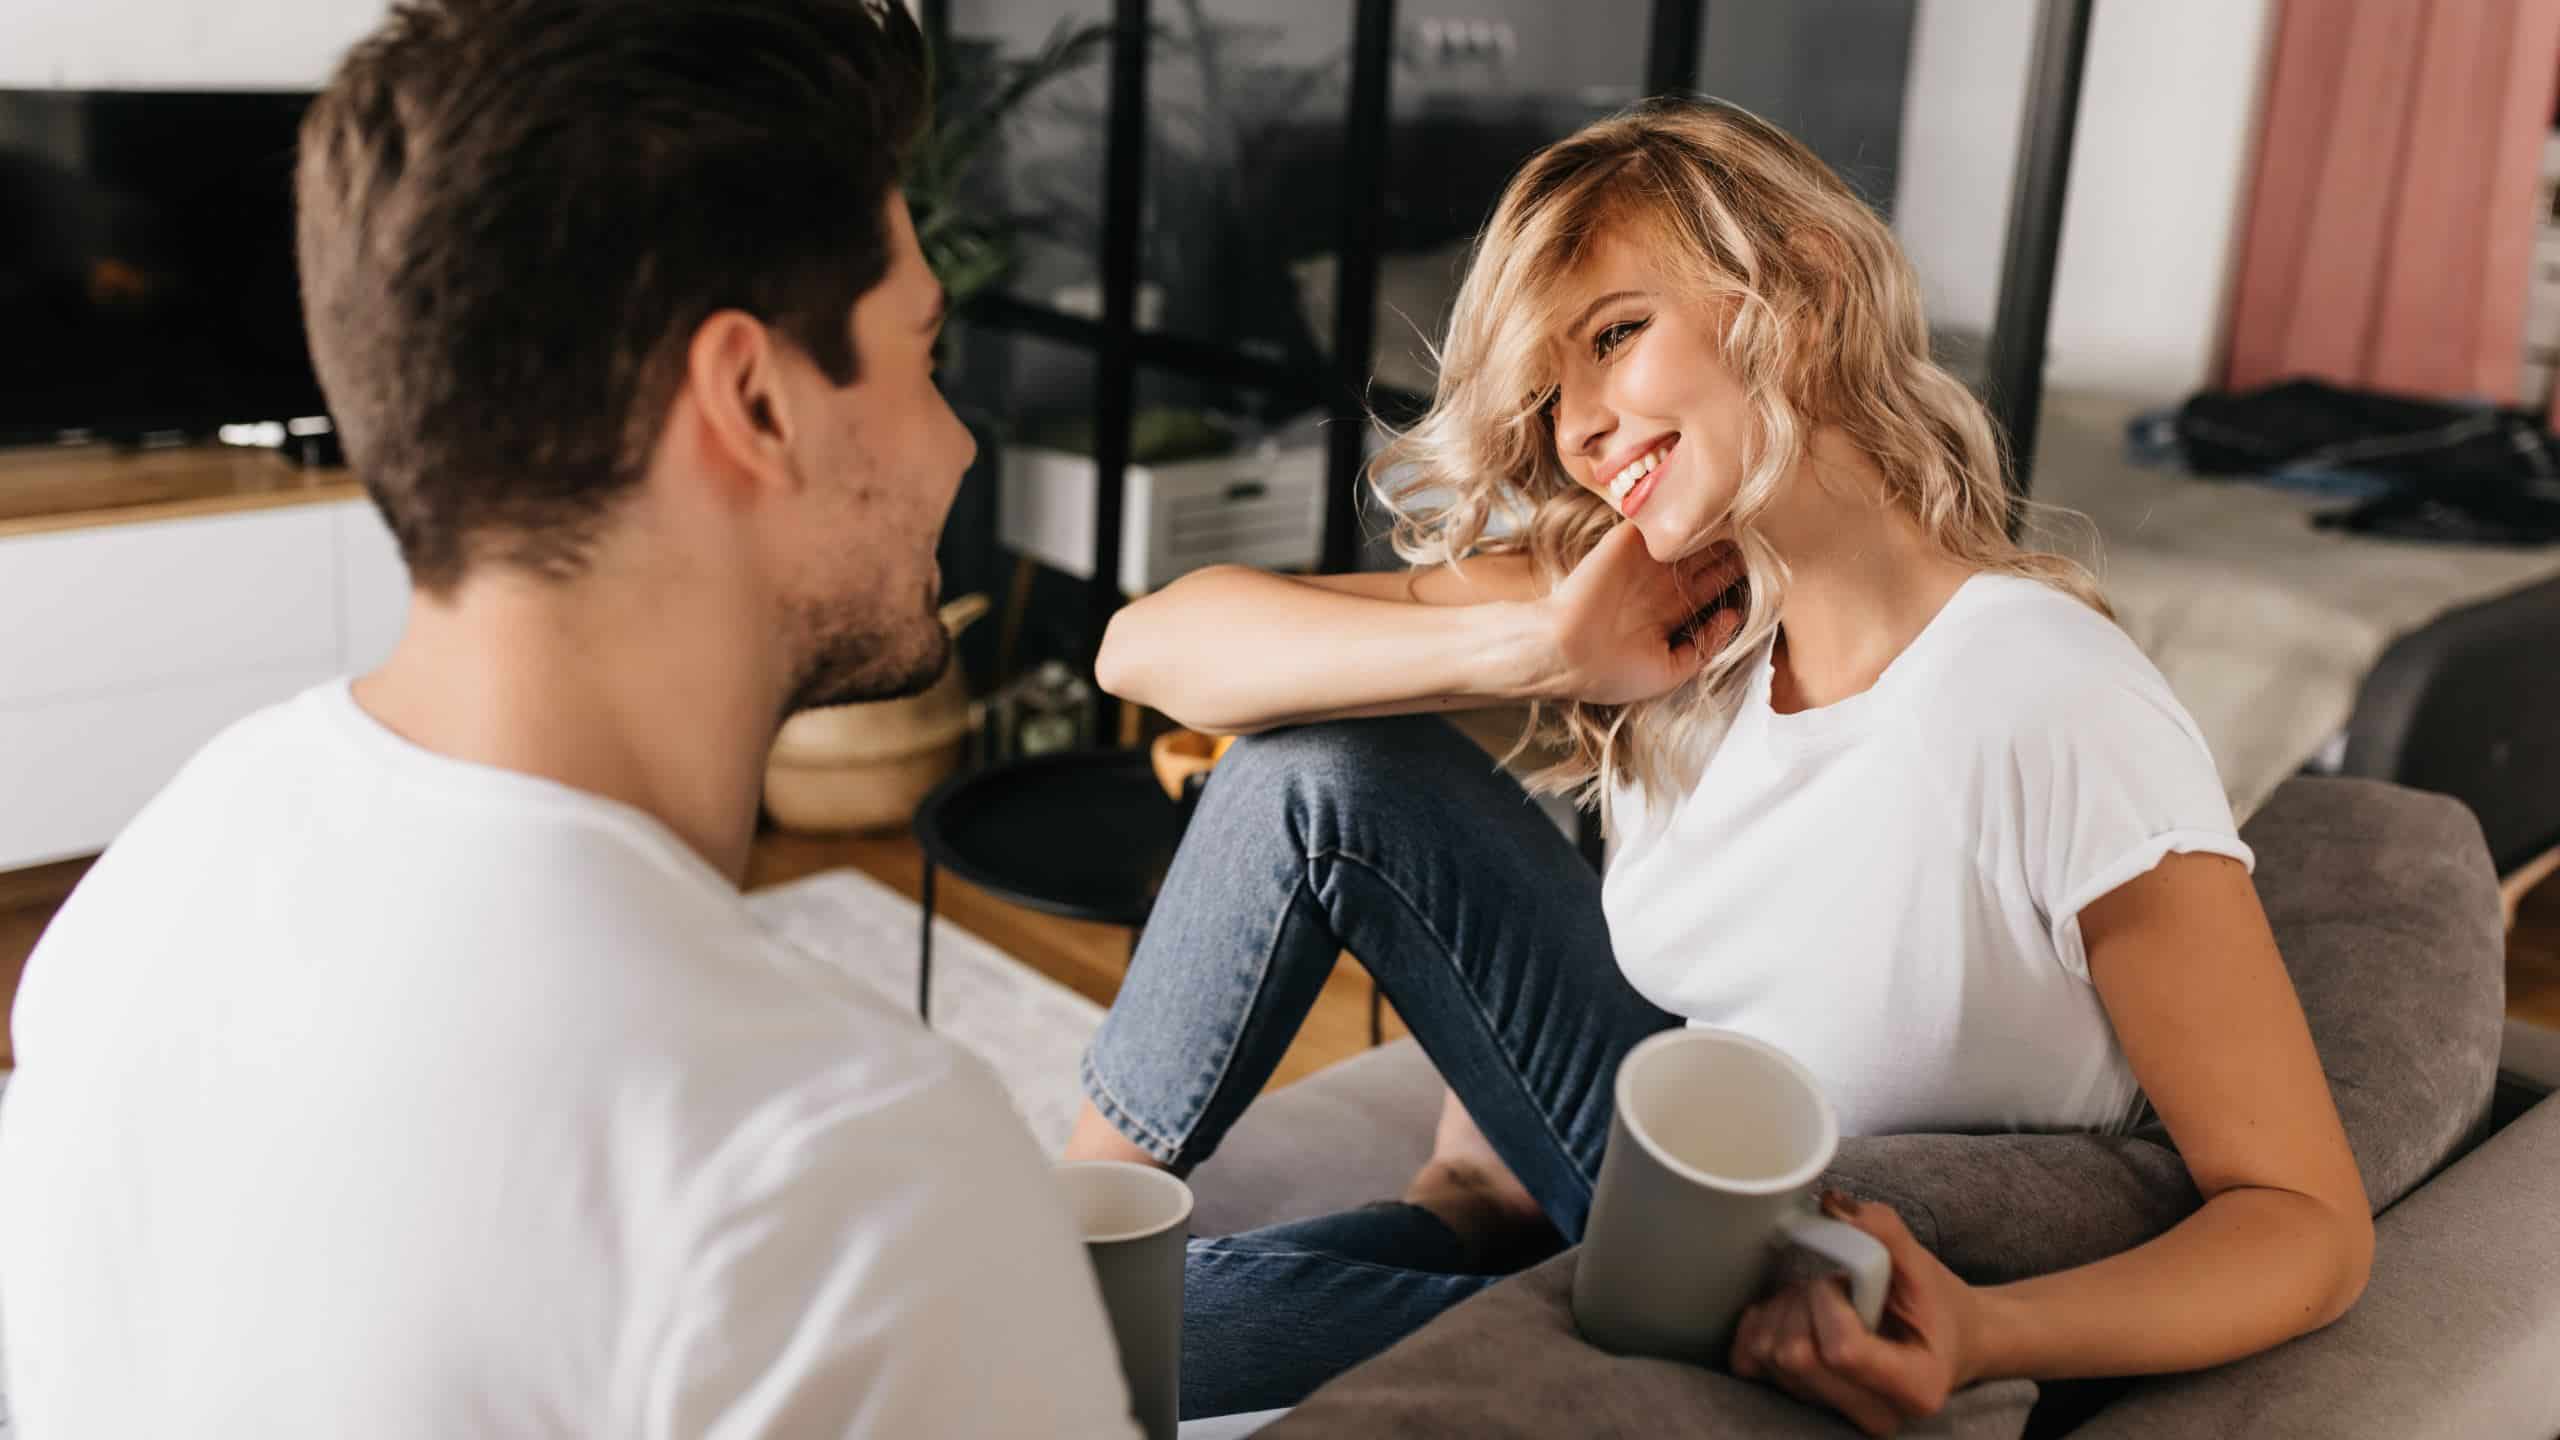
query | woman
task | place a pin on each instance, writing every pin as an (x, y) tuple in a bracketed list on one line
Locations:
[(1883, 790)]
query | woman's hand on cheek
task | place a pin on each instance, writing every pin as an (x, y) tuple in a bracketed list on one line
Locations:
[(1613, 621), (1807, 1341)]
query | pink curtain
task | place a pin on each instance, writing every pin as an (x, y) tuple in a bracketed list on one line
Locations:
[(2391, 215)]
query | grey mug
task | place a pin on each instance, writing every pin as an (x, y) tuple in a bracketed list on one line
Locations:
[(1135, 1223), (1709, 1175)]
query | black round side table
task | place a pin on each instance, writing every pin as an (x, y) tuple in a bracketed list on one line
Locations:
[(1087, 834)]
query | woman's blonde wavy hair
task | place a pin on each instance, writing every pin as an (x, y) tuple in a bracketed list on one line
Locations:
[(1825, 330)]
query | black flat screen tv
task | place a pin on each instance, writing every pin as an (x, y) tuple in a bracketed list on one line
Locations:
[(146, 264)]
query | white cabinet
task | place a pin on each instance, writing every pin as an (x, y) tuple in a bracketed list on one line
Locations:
[(373, 587), (73, 772), (124, 648), (128, 608)]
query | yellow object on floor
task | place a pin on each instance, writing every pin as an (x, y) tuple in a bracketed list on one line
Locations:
[(1181, 754)]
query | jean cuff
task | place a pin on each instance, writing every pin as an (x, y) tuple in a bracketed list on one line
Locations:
[(1136, 1131)]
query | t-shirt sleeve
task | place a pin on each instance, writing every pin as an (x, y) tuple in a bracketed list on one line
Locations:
[(888, 1267), (2112, 776)]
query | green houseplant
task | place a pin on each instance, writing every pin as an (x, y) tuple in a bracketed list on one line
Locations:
[(971, 244)]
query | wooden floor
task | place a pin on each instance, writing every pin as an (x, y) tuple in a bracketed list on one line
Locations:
[(1091, 958), (1086, 958)]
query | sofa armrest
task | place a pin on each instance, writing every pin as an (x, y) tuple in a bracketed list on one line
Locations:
[(2454, 1336), (2451, 708)]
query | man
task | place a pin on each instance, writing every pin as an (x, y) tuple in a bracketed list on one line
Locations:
[(411, 1066)]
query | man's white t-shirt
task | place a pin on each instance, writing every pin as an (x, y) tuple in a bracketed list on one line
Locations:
[(1889, 888), (364, 1091)]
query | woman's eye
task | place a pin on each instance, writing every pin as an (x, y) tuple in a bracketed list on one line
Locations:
[(1613, 336)]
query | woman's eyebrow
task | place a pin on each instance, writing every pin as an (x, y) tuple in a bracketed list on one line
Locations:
[(1594, 308)]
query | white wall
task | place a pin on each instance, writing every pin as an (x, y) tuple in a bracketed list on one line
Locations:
[(2168, 122), (178, 44), (1961, 108)]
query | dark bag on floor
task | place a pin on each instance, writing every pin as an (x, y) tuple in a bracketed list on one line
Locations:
[(2467, 474)]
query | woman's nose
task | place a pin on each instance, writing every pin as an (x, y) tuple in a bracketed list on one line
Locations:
[(1581, 429)]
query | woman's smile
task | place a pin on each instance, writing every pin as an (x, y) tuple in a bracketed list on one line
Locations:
[(1631, 483)]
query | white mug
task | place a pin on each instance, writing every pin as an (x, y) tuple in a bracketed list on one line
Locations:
[(1713, 1152)]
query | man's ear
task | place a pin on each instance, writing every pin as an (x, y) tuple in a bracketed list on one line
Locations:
[(733, 373)]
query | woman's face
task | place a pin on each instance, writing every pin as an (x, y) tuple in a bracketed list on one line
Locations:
[(1646, 415)]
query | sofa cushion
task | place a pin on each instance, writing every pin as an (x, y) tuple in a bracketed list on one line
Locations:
[(1508, 1364), (1997, 1208), (2385, 902)]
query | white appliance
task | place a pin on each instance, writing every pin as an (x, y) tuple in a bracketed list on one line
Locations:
[(1262, 507)]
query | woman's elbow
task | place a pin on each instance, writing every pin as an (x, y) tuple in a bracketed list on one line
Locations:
[(1116, 666), (1152, 655), (2352, 1246), (1129, 667), (1132, 664)]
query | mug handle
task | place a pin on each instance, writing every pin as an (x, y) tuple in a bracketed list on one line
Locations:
[(1869, 1264)]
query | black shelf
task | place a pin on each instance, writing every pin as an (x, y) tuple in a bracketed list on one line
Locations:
[(2015, 381), (1124, 174), (1355, 297), (1159, 349), (1671, 49)]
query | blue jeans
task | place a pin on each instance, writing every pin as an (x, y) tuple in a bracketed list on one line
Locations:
[(1400, 841)]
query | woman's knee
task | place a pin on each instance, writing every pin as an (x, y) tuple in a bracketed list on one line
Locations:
[(1368, 785), (1389, 781), (1346, 759)]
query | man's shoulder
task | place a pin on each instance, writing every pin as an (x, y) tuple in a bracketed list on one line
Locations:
[(871, 1110)]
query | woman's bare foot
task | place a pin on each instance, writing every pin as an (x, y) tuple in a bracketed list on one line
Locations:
[(1468, 1187), (1098, 1139)]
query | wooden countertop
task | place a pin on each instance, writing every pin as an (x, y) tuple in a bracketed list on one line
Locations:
[(75, 489)]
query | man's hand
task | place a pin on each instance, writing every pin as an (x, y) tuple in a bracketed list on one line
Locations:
[(1620, 626), (1807, 1341)]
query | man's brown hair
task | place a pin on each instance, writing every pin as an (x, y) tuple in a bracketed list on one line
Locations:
[(514, 214)]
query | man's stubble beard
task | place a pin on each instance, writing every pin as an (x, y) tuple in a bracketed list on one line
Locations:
[(848, 658)]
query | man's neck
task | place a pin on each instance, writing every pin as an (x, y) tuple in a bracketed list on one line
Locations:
[(591, 684)]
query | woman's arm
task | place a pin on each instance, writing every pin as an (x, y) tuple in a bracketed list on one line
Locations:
[(1232, 650), (2188, 971), (1229, 649)]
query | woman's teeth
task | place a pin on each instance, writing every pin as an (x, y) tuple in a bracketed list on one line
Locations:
[(1638, 468)]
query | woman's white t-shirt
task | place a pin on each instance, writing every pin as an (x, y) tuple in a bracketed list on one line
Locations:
[(1890, 888)]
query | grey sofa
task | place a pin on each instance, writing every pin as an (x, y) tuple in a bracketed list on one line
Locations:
[(2385, 904)]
